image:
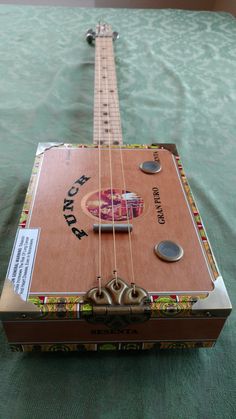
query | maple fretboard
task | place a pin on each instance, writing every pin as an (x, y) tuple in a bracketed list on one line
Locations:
[(107, 125)]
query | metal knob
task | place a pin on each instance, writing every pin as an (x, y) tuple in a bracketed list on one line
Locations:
[(115, 36), (90, 36)]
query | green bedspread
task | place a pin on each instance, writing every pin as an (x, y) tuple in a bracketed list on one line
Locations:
[(177, 81)]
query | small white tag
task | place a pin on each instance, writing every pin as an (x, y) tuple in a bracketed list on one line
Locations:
[(22, 260)]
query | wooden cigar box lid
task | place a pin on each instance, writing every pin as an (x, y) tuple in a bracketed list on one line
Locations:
[(57, 252)]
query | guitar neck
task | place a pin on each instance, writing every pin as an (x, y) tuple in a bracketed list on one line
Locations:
[(107, 125)]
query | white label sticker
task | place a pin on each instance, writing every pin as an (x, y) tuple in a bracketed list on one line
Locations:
[(22, 260)]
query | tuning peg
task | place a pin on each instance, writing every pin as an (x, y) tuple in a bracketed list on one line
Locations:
[(115, 36), (90, 36)]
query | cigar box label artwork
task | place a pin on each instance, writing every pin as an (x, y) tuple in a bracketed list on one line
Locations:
[(111, 252)]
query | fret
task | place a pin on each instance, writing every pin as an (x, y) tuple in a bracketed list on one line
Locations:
[(103, 129), (106, 122), (107, 125), (106, 141), (112, 131), (103, 137), (102, 118), (106, 138), (103, 107), (108, 115)]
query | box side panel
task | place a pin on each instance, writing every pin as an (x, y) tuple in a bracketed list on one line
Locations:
[(82, 331)]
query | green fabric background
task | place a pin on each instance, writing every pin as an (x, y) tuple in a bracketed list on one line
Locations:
[(177, 80)]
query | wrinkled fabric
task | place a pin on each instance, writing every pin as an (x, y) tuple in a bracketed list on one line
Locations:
[(176, 76)]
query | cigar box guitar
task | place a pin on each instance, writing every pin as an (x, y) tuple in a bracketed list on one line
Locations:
[(111, 252)]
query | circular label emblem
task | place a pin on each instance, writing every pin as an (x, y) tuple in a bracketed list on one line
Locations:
[(116, 204)]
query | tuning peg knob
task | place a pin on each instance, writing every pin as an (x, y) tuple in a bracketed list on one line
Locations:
[(115, 36), (90, 36)]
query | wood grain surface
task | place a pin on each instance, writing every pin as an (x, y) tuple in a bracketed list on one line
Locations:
[(65, 264)]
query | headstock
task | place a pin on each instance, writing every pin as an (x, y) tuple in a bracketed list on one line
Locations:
[(103, 30)]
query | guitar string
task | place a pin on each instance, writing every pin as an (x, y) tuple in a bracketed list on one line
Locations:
[(126, 201), (99, 277), (123, 177), (101, 45), (105, 45)]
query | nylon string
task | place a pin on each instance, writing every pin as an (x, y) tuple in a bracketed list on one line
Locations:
[(110, 165), (99, 277), (101, 45), (126, 203)]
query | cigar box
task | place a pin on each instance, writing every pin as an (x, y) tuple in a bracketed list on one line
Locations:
[(101, 267)]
